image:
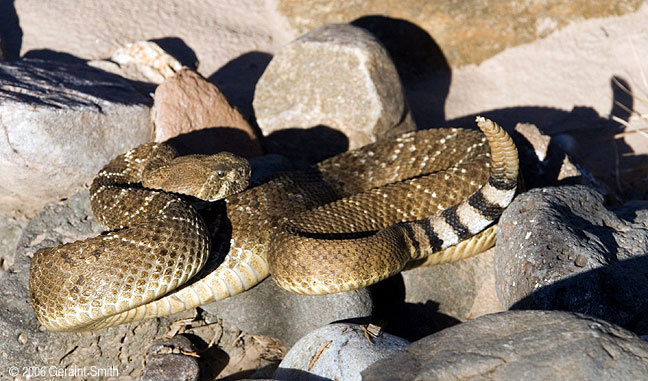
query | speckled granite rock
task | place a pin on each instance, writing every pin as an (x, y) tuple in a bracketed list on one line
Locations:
[(336, 352), (61, 123), (516, 345), (563, 248), (337, 76)]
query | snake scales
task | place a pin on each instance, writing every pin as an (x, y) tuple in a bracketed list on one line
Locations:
[(422, 198)]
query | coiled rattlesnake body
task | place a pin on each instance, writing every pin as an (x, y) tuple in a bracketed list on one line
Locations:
[(421, 198)]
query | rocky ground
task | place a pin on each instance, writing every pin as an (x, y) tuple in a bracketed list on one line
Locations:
[(563, 293)]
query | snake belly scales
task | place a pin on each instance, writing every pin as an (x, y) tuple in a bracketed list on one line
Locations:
[(425, 197)]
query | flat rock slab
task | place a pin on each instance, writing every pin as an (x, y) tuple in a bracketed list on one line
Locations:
[(269, 310), (60, 124), (563, 248), (516, 345), (337, 76), (336, 352)]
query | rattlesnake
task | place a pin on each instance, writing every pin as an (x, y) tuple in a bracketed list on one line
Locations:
[(421, 198)]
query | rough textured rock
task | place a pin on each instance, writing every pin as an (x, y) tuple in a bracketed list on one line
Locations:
[(186, 102), (24, 344), (10, 231), (514, 345), (270, 310), (336, 352), (442, 295), (171, 359), (467, 31), (61, 123), (563, 248), (338, 76)]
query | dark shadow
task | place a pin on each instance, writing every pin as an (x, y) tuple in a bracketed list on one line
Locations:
[(177, 48), (209, 141), (298, 374), (623, 101), (238, 78), (306, 146), (617, 293), (411, 321), (10, 32), (414, 52), (40, 79), (212, 359), (53, 55), (420, 62), (592, 142)]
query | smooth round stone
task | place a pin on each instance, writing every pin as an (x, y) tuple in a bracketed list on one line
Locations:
[(338, 352)]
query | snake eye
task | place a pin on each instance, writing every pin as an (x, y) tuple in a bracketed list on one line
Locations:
[(220, 174)]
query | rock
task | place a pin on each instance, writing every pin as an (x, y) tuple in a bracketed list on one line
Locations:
[(443, 295), (563, 248), (270, 310), (188, 103), (467, 32), (338, 76), (513, 345), (156, 64), (171, 359), (10, 231), (61, 123), (336, 352), (23, 344)]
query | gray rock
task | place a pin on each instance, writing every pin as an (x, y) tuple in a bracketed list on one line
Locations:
[(338, 76), (562, 249), (23, 344), (270, 310), (60, 124), (168, 359), (516, 345), (10, 232), (336, 352)]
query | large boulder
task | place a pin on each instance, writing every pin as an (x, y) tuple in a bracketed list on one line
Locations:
[(60, 124)]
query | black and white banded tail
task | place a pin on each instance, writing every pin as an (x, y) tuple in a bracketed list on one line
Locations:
[(430, 236)]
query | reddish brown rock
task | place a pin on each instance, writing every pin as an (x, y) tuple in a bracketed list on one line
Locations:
[(187, 103)]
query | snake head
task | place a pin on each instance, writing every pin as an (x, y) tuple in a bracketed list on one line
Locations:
[(208, 177)]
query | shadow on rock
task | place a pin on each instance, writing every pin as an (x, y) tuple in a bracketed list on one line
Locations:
[(238, 78), (10, 32), (305, 146), (420, 63), (42, 68), (617, 293), (209, 141), (411, 321), (178, 49)]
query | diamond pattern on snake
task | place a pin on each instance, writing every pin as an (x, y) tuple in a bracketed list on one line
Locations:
[(422, 198)]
